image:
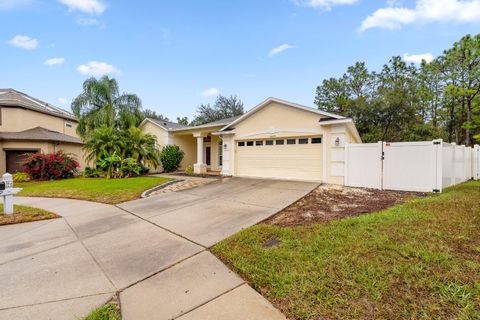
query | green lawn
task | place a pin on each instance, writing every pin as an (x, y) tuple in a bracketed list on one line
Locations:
[(25, 214), (107, 312), (419, 260), (93, 189)]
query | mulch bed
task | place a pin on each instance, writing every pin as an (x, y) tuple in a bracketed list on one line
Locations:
[(329, 202)]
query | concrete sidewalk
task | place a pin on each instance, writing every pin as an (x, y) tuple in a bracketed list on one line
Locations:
[(152, 251)]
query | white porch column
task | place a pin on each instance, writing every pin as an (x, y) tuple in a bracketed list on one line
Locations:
[(228, 155), (199, 167)]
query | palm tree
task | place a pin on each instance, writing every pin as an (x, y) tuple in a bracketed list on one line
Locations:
[(101, 105), (102, 142), (141, 146)]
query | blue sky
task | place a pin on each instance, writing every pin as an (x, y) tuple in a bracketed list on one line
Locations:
[(178, 54)]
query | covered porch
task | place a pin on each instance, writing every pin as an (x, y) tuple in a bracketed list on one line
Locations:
[(203, 150)]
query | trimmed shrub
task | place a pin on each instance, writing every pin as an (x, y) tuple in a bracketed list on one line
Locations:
[(20, 177), (91, 173), (189, 171), (110, 164), (129, 168), (171, 156), (51, 166)]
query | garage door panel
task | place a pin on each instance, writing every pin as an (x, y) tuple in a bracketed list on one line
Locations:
[(295, 162), (15, 160)]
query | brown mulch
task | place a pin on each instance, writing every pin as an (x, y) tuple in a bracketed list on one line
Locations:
[(329, 202)]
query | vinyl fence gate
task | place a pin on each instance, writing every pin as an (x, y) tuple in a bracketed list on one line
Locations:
[(427, 166)]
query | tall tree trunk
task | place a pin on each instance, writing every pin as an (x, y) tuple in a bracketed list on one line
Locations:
[(385, 132), (468, 139), (451, 123), (469, 119)]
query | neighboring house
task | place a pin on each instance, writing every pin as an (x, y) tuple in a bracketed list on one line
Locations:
[(30, 125), (276, 139)]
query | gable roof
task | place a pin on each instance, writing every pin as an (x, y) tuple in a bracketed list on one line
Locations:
[(14, 98), (173, 126), (39, 134), (283, 102), (228, 122), (167, 125), (221, 121)]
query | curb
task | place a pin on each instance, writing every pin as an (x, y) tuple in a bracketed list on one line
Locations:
[(146, 193)]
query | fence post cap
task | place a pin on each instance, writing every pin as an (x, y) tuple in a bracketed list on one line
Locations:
[(7, 177)]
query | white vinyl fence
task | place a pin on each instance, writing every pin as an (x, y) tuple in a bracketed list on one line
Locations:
[(427, 166)]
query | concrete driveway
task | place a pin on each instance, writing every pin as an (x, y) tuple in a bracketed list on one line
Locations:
[(153, 251), (209, 214)]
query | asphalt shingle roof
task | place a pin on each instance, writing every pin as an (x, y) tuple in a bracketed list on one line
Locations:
[(176, 126), (39, 134), (168, 124), (14, 98), (222, 121)]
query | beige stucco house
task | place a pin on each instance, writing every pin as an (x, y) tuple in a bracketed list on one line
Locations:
[(30, 125), (276, 139)]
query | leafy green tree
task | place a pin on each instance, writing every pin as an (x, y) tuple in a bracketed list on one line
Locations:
[(438, 99), (182, 121), (103, 141), (397, 106), (147, 113), (110, 163), (108, 124), (224, 107), (463, 64), (141, 146), (101, 105)]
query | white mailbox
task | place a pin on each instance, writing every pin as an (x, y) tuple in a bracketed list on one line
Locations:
[(8, 193)]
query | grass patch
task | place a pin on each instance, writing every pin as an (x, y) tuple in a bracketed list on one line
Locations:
[(23, 214), (92, 189), (417, 260), (107, 312)]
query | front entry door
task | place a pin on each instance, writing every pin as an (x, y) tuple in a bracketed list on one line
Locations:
[(208, 155)]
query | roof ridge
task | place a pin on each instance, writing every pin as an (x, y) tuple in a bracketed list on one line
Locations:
[(21, 99)]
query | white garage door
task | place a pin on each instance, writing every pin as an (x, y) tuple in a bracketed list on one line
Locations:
[(280, 158)]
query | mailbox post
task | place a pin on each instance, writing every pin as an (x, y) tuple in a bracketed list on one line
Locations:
[(7, 191)]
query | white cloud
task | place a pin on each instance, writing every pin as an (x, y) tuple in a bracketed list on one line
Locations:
[(97, 69), (425, 11), (418, 58), (280, 49), (323, 4), (86, 6), (54, 61), (211, 92), (24, 42), (62, 101)]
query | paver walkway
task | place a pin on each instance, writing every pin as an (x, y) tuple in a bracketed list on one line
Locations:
[(182, 182), (153, 251)]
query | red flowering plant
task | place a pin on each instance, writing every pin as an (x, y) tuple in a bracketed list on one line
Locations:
[(50, 166)]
